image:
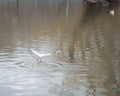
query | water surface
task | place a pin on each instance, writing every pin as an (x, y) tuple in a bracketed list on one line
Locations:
[(84, 43)]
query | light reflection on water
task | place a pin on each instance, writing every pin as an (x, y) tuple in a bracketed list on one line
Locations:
[(87, 37)]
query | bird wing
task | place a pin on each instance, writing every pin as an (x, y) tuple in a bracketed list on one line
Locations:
[(40, 55)]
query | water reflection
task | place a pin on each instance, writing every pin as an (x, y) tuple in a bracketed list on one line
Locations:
[(86, 36)]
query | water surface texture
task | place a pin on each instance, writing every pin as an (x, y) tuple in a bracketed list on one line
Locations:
[(79, 47)]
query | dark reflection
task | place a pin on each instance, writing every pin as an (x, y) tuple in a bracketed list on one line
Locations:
[(101, 45), (87, 38)]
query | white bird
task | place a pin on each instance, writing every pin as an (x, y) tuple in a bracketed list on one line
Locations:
[(43, 55), (39, 54), (112, 12)]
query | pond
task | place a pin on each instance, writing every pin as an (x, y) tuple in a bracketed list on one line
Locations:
[(59, 48)]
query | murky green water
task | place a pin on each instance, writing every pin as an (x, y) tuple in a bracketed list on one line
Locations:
[(83, 43)]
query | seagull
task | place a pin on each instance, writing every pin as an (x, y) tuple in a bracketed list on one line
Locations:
[(112, 12), (40, 55)]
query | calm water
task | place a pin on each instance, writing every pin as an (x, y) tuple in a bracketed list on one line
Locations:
[(84, 43)]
